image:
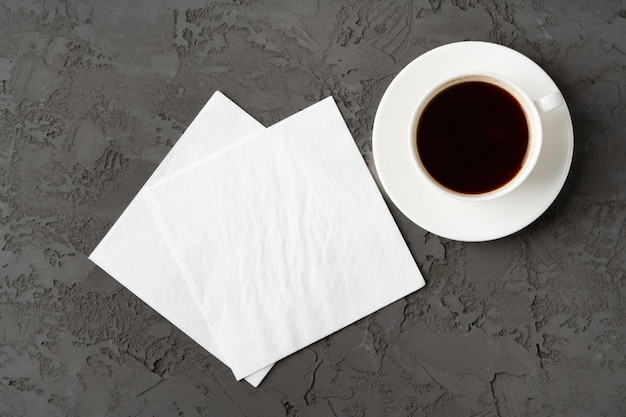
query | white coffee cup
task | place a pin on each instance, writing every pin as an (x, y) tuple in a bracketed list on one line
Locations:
[(532, 110)]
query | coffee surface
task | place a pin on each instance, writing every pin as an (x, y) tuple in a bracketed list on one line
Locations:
[(472, 137)]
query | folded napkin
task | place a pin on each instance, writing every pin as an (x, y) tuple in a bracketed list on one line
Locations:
[(284, 238), (134, 251)]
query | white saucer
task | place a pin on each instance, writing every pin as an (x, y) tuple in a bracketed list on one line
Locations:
[(446, 216)]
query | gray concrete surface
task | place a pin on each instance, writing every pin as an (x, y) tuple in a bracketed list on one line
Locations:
[(93, 94)]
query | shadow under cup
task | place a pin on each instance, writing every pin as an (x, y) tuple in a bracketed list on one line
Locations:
[(476, 136)]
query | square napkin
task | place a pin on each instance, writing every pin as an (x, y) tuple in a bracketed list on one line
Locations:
[(135, 253), (284, 238)]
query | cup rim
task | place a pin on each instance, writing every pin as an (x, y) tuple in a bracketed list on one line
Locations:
[(530, 110)]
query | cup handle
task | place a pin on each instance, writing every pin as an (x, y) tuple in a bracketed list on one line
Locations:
[(550, 102)]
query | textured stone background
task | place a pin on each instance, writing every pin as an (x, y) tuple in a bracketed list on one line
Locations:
[(93, 94)]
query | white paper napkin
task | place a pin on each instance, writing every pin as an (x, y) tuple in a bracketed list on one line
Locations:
[(135, 253), (284, 238)]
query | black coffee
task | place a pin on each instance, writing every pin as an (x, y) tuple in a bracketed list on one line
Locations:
[(472, 137)]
